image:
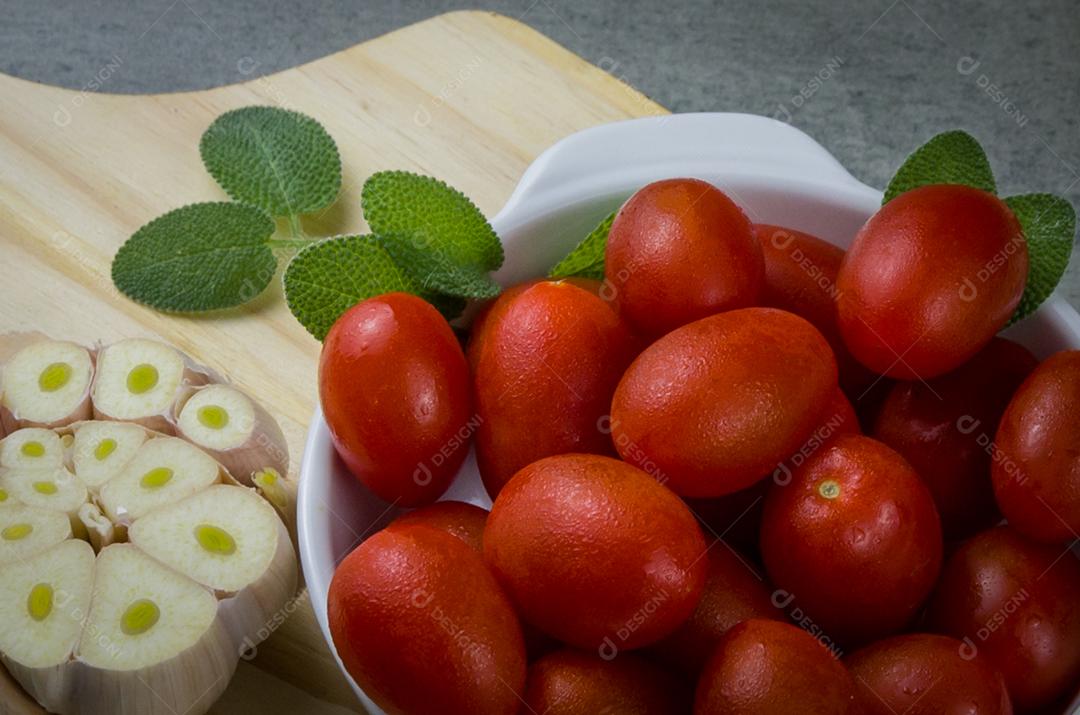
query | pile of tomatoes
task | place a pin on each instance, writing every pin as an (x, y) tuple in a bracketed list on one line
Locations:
[(745, 473)]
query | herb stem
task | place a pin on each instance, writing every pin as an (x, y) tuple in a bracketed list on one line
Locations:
[(295, 227), (288, 242)]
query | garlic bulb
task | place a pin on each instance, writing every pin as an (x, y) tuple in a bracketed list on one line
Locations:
[(134, 569)]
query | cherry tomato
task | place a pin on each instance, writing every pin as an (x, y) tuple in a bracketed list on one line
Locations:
[(1013, 601), (465, 521), (713, 406), (930, 278), (944, 428), (924, 674), (569, 682), (735, 591), (394, 388), (800, 276), (546, 361), (417, 620), (854, 539), (595, 552), (1036, 469), (763, 667), (680, 250)]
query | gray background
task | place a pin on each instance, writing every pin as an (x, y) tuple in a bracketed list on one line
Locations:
[(869, 79)]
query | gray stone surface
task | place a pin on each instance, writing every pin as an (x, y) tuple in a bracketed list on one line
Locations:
[(869, 80)]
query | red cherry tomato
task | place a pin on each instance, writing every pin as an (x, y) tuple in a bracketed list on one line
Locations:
[(929, 279), (394, 388), (735, 591), (800, 276), (569, 682), (680, 250), (923, 674), (763, 667), (595, 552), (713, 406), (545, 363), (1036, 470), (418, 621), (465, 521), (1014, 601), (944, 428), (854, 539)]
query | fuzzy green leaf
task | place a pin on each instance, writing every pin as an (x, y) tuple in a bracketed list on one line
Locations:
[(587, 258), (199, 257), (1049, 224), (438, 218), (949, 158), (435, 271), (278, 159), (327, 278)]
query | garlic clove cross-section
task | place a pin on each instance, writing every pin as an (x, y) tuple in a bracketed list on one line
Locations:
[(231, 540), (153, 641), (32, 448), (43, 601), (27, 530), (163, 470), (101, 450), (234, 429), (138, 380), (55, 489), (47, 384)]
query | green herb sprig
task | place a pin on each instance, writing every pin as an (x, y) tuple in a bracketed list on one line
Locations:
[(427, 238)]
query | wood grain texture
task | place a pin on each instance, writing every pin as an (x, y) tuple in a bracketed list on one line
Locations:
[(469, 97)]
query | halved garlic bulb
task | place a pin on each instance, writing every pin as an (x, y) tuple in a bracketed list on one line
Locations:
[(156, 625)]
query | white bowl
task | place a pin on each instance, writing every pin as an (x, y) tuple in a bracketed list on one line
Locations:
[(775, 172)]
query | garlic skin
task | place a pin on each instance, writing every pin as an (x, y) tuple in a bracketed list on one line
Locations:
[(271, 486), (46, 384), (234, 429), (100, 532), (139, 380)]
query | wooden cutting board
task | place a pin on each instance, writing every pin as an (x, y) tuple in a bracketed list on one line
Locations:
[(469, 97)]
